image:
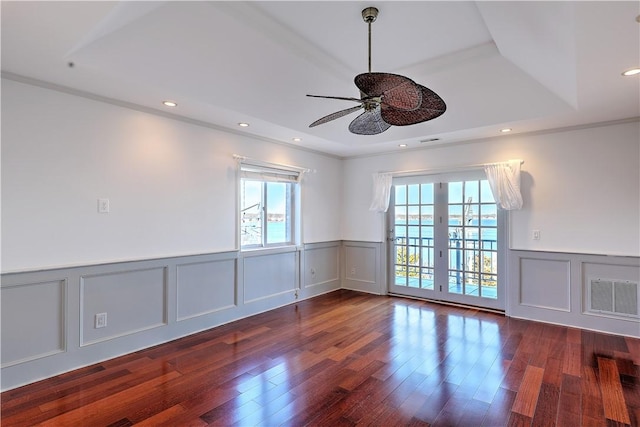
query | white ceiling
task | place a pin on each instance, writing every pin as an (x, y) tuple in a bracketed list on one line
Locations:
[(526, 65)]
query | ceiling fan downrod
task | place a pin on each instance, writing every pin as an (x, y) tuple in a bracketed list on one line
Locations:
[(369, 15)]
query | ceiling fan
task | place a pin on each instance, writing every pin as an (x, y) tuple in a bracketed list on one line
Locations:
[(387, 99)]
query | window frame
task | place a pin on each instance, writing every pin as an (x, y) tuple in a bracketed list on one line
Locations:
[(266, 173)]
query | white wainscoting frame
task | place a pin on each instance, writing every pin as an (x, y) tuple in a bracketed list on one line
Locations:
[(320, 271), (364, 266), (87, 322), (282, 275), (77, 352), (616, 267), (203, 291), (543, 280), (31, 316)]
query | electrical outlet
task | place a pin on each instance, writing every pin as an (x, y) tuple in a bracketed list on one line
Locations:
[(101, 320), (313, 272), (536, 235), (353, 271)]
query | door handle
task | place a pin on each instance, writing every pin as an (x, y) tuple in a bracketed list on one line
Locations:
[(390, 235)]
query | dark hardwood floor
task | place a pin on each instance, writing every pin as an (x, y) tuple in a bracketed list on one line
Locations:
[(349, 358)]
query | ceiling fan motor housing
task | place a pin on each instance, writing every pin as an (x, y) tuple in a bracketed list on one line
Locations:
[(369, 14)]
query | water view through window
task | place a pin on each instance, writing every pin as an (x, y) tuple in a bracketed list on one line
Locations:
[(265, 213)]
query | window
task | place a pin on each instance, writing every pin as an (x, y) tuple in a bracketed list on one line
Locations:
[(268, 206)]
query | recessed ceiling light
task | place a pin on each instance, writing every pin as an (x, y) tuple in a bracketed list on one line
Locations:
[(169, 103), (296, 139), (505, 130), (402, 145), (243, 125), (632, 72)]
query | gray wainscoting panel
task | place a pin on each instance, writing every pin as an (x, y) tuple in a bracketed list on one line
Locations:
[(48, 316), (322, 264), (36, 311), (545, 283), (552, 287), (133, 300), (269, 273), (363, 267), (608, 272), (205, 287)]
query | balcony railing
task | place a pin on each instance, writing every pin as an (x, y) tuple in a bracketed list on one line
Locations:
[(471, 260)]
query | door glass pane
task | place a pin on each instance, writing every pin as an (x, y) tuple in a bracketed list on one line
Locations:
[(401, 274), (414, 235), (426, 278), (486, 196), (455, 215), (401, 215), (401, 194), (426, 213), (414, 194), (489, 215), (426, 236), (472, 240), (455, 192), (471, 191), (426, 194)]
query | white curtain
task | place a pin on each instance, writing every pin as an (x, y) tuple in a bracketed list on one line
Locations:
[(381, 192), (504, 180)]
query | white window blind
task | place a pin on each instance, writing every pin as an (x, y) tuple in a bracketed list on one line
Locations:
[(268, 173)]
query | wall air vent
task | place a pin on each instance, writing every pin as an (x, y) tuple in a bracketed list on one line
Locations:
[(614, 297)]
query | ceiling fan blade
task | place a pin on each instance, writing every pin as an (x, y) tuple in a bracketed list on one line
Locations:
[(431, 107), (335, 115), (396, 91), (369, 123), (336, 97)]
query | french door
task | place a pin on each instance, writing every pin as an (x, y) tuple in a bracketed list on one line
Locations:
[(445, 237)]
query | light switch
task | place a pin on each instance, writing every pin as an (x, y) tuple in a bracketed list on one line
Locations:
[(103, 205), (536, 235)]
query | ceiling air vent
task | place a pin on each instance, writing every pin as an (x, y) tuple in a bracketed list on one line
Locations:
[(616, 297)]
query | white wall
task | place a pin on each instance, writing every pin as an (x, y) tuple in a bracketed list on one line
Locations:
[(581, 188), (171, 184)]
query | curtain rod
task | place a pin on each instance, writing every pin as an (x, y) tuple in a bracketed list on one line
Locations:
[(447, 169), (257, 162)]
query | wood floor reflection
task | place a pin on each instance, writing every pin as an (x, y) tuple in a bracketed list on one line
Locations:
[(349, 358)]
